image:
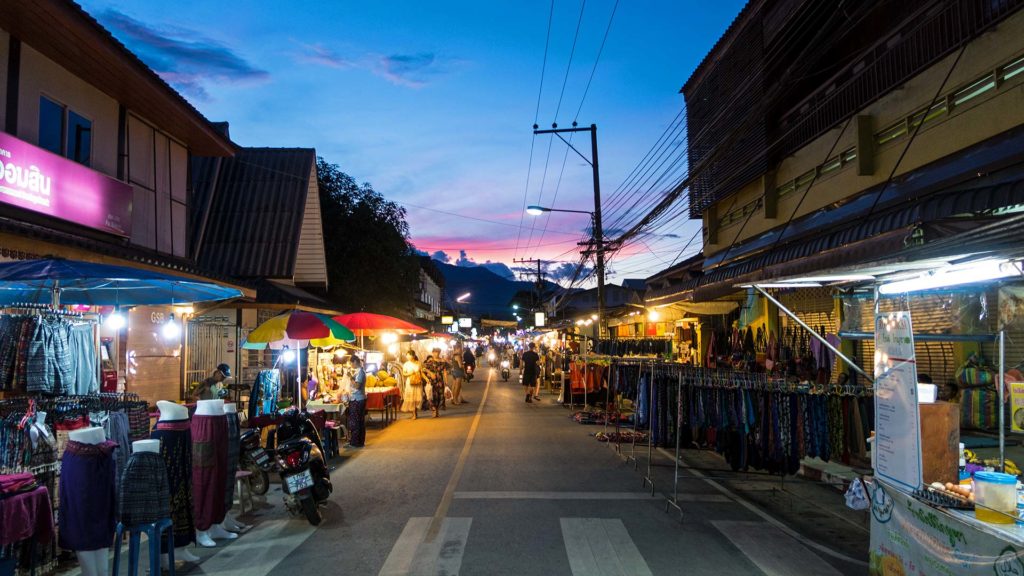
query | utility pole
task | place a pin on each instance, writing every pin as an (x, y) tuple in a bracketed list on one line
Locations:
[(539, 296), (598, 233)]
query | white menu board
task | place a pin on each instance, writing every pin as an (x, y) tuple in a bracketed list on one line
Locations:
[(897, 416)]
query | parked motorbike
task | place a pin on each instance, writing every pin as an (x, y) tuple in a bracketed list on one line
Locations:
[(257, 460), (505, 370), (469, 372), (305, 478)]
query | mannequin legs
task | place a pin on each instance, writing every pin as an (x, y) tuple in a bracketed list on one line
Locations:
[(233, 525), (179, 554), (94, 562)]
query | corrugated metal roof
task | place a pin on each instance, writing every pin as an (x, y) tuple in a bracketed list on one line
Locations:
[(885, 235), (255, 216)]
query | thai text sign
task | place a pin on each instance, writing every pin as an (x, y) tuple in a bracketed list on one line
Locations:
[(34, 179), (910, 538), (897, 416)]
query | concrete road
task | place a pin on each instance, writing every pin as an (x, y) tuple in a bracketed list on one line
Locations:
[(499, 486)]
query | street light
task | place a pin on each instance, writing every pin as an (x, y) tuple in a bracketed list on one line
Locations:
[(595, 219), (538, 210), (463, 298)]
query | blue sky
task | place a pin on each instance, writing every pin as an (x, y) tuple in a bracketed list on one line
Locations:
[(433, 102)]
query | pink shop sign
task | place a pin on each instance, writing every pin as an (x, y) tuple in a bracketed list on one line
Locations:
[(34, 179)]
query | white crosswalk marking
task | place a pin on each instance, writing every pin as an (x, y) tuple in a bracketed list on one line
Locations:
[(772, 550), (413, 555), (601, 547)]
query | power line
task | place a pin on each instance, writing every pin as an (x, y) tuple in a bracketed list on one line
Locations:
[(536, 117), (596, 60), (568, 67)]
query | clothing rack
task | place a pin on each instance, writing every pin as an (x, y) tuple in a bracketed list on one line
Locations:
[(25, 307), (755, 420)]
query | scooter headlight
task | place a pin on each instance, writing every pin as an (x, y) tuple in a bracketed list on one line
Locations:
[(504, 363)]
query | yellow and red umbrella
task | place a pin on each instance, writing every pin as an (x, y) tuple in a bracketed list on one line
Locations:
[(295, 330)]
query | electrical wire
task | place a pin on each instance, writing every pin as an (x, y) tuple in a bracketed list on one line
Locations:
[(536, 117)]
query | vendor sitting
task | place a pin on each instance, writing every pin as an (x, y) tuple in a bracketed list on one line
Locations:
[(210, 388)]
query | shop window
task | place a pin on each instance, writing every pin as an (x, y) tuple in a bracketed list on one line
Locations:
[(51, 125), (64, 131), (79, 138)]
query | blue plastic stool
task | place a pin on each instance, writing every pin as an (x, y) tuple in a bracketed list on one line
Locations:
[(154, 532)]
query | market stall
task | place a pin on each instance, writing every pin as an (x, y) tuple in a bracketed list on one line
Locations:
[(937, 334), (51, 360)]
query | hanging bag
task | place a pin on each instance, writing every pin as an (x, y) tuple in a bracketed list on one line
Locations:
[(979, 403)]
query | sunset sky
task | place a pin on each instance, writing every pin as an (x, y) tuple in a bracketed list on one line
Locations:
[(433, 102)]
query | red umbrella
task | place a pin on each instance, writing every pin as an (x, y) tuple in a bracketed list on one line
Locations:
[(363, 323), (367, 324)]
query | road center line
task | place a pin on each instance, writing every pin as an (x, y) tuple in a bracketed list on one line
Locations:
[(453, 482), (498, 495)]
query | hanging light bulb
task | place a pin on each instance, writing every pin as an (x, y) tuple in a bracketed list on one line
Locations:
[(288, 355), (340, 353), (115, 321), (171, 330)]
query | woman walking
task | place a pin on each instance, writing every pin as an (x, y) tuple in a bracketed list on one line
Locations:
[(434, 368), (413, 384), (357, 405)]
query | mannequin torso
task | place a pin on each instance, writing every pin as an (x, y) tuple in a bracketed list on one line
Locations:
[(172, 411), (210, 408), (146, 446), (92, 435)]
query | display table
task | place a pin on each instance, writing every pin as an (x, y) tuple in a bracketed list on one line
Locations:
[(910, 536), (384, 399)]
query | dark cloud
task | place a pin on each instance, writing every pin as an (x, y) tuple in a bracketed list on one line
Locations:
[(184, 58), (441, 256), (412, 70), (566, 271), (465, 261), (320, 54)]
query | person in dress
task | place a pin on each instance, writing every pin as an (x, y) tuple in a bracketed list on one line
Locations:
[(413, 384), (434, 369)]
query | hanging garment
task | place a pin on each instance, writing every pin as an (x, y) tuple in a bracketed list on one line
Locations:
[(82, 352), (233, 450), (269, 383), (175, 438), (209, 469), (87, 496), (144, 495)]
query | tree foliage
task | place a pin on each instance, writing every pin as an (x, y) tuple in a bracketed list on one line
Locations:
[(370, 263)]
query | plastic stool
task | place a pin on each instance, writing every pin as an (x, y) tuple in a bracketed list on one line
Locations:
[(154, 532), (244, 490)]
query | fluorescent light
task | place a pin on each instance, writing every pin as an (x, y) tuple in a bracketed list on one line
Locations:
[(783, 285), (536, 210), (463, 297), (835, 278), (953, 276)]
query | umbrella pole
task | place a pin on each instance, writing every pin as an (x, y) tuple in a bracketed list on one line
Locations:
[(298, 377)]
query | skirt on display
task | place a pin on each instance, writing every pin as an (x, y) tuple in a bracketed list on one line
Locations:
[(234, 430), (175, 438), (209, 469), (87, 496)]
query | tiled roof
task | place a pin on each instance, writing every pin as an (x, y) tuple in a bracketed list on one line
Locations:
[(254, 218)]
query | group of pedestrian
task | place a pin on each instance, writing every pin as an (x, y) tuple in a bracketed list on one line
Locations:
[(426, 382)]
